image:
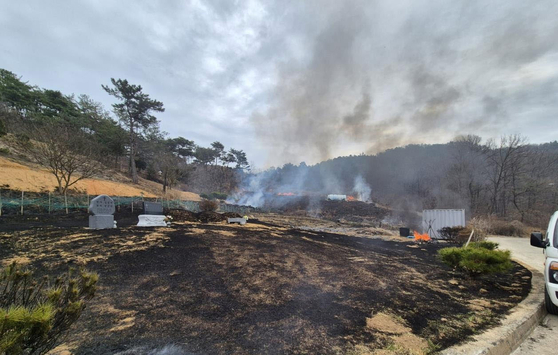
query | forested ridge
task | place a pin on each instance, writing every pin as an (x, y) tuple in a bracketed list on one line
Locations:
[(506, 178)]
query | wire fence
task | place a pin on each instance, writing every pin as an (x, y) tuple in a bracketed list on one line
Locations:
[(22, 202)]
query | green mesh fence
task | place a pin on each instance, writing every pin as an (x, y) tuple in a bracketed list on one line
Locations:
[(31, 202)]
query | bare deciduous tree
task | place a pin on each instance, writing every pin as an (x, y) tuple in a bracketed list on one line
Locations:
[(505, 165), (64, 151)]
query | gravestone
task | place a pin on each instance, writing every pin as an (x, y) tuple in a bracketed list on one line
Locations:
[(102, 208), (153, 215), (152, 220), (152, 208)]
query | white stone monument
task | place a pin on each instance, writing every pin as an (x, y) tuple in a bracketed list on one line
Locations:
[(241, 221), (102, 208), (153, 216), (152, 220)]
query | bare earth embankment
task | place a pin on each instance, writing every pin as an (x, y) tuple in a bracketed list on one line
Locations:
[(28, 177)]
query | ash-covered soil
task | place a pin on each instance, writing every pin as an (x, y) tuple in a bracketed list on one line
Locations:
[(263, 289)]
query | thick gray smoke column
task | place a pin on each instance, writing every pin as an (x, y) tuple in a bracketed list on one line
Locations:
[(368, 76), (305, 116)]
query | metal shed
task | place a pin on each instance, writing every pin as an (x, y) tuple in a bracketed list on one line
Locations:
[(434, 220)]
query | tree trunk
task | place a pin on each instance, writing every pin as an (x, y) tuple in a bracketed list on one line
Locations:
[(133, 169)]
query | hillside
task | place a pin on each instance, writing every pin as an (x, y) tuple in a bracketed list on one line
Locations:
[(20, 175)]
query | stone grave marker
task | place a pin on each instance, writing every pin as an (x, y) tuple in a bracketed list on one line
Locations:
[(241, 221), (153, 215), (152, 208), (102, 208)]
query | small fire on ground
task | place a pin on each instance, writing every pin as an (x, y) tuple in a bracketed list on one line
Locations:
[(421, 237)]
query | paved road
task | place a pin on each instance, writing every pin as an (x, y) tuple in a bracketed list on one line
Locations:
[(543, 339)]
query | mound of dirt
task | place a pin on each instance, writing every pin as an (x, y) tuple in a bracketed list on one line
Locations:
[(182, 215), (203, 217), (343, 209), (209, 216), (232, 215)]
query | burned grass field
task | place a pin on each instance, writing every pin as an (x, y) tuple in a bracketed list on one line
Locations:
[(264, 289)]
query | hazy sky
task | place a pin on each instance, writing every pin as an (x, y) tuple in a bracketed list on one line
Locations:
[(303, 80)]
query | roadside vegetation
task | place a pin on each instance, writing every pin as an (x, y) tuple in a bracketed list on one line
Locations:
[(36, 312), (478, 258)]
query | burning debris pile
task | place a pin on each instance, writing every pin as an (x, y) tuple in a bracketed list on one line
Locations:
[(327, 198)]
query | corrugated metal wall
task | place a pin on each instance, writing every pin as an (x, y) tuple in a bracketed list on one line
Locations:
[(434, 220)]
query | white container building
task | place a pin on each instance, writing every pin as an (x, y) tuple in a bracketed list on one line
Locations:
[(434, 220), (337, 197)]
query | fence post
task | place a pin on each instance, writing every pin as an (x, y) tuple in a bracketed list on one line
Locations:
[(0, 203), (132, 205), (49, 202), (21, 202), (66, 201)]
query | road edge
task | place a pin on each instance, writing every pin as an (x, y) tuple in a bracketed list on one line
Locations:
[(514, 329)]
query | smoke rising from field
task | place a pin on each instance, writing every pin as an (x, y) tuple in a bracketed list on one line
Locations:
[(362, 189), (375, 76)]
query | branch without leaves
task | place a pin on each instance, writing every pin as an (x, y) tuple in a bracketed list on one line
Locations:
[(64, 151)]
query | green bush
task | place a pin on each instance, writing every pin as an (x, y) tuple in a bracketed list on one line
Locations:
[(477, 259), (451, 256), (484, 245), (219, 195), (34, 316)]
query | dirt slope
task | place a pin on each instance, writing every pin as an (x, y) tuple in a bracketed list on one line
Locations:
[(17, 176)]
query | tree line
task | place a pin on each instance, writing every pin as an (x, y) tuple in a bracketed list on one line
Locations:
[(507, 177), (76, 137)]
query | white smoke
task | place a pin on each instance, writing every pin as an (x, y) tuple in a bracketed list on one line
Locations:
[(362, 189), (166, 350), (253, 194)]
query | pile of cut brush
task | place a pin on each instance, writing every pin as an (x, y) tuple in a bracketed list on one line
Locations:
[(203, 217)]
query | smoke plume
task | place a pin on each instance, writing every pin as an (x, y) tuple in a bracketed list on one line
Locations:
[(370, 76), (362, 189)]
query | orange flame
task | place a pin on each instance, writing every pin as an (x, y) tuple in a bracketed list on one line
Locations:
[(351, 198), (421, 237), (286, 194)]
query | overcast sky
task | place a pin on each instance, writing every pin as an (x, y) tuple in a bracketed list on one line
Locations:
[(292, 81)]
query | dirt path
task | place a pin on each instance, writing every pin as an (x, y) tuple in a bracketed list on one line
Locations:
[(522, 250)]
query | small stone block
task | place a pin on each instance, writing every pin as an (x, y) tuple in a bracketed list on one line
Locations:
[(101, 222), (149, 220), (241, 221)]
